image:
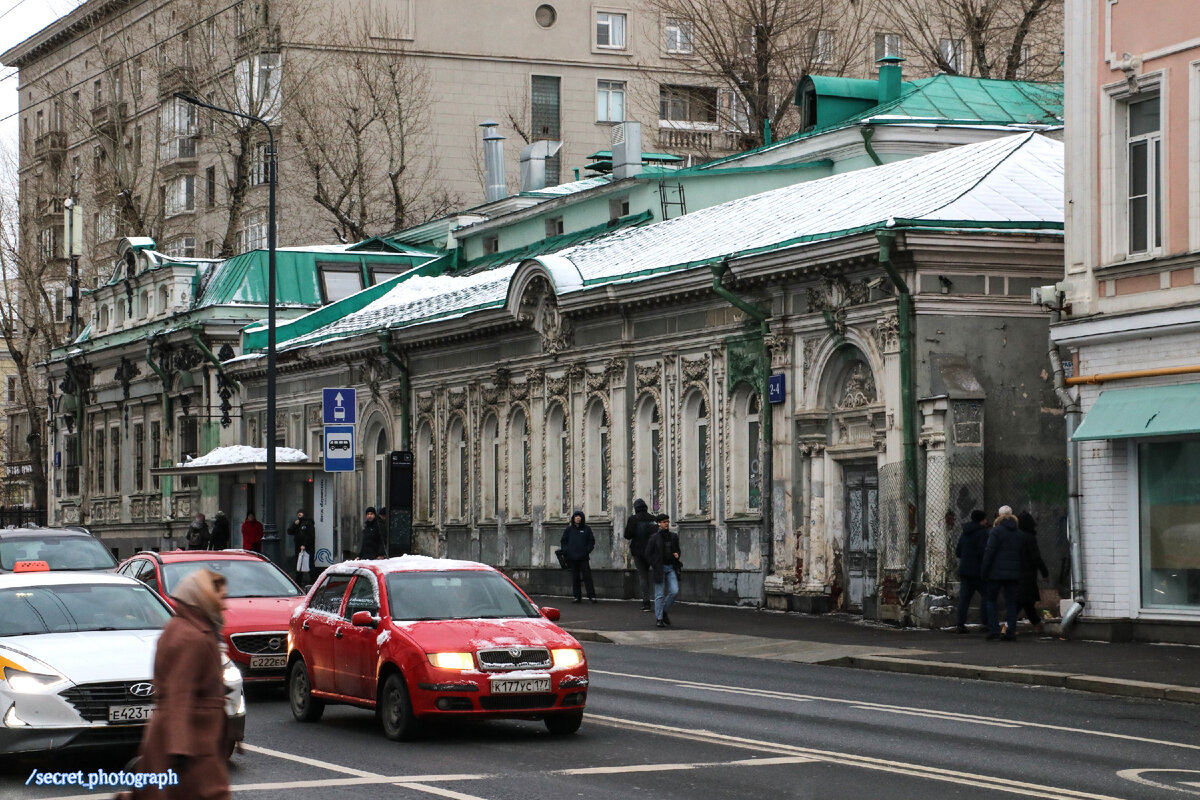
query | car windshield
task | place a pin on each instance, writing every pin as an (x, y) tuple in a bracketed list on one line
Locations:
[(455, 595), (79, 607), (242, 578), (60, 552)]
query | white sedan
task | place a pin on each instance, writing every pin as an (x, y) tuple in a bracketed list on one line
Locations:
[(77, 661)]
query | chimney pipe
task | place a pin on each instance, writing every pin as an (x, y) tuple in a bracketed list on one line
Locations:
[(495, 187), (889, 78), (626, 150), (533, 163)]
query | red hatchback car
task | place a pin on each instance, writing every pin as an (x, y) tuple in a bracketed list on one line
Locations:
[(421, 638), (261, 601)]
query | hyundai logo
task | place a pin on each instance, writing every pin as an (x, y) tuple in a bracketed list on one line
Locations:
[(275, 643), (142, 689)]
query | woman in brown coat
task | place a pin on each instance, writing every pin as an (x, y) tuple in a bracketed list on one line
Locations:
[(187, 730)]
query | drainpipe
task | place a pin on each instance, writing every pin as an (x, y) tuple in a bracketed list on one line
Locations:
[(916, 531), (194, 330), (385, 347), (868, 132), (1071, 416), (162, 376), (766, 414)]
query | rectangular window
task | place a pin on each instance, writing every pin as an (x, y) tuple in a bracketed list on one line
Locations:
[(114, 446), (545, 122), (491, 244), (735, 111), (253, 235), (183, 247), (256, 85), (554, 227), (610, 30), (678, 36), (180, 126), (10, 386), (339, 281), (58, 303), (610, 101), (687, 103), (139, 457), (155, 449), (260, 165), (950, 54), (887, 44), (189, 446), (379, 274), (820, 46), (99, 459), (180, 195), (1145, 169), (618, 207), (210, 187), (71, 463), (97, 94), (1169, 501)]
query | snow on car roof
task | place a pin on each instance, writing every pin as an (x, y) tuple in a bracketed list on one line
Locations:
[(18, 580), (412, 564)]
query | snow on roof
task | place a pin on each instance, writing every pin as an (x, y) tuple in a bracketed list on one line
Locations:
[(241, 454), (1013, 179), (411, 564), (572, 187)]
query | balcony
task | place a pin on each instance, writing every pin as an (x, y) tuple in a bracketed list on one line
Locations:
[(107, 116), (176, 78), (704, 137), (52, 146), (49, 210), (259, 38)]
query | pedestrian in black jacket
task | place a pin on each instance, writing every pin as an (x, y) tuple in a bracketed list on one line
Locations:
[(1028, 593), (372, 536), (1002, 571), (662, 551), (638, 530), (577, 545), (198, 537), (220, 531), (304, 535), (971, 545)]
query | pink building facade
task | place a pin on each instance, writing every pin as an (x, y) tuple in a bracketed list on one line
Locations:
[(1130, 313)]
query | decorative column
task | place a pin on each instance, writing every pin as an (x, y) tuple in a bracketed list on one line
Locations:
[(937, 492)]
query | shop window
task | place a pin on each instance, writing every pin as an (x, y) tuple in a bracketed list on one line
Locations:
[(1169, 506)]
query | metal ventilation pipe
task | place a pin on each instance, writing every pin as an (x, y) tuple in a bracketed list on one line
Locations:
[(495, 187), (626, 150), (533, 163)]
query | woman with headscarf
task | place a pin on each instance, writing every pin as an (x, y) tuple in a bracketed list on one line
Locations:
[(187, 730)]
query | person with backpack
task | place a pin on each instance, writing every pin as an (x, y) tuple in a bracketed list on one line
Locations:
[(638, 530), (198, 537)]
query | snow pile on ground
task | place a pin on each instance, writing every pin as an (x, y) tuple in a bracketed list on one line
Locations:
[(241, 454)]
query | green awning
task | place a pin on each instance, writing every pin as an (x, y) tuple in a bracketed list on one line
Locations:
[(1144, 411)]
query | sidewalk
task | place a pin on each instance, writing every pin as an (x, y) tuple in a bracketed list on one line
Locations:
[(1170, 672)]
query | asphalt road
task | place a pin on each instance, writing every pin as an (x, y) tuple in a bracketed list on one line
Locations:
[(665, 724)]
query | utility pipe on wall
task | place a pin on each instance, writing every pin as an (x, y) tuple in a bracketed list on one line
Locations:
[(1071, 416)]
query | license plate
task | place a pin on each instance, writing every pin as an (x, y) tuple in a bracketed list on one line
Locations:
[(520, 685), (268, 662), (129, 713)]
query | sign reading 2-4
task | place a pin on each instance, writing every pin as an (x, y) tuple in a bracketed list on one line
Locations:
[(338, 407)]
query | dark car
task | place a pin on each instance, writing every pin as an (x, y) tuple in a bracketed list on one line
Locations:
[(60, 548)]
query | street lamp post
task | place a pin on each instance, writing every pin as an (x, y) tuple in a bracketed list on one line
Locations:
[(272, 547)]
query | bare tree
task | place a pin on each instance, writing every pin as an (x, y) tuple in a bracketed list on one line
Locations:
[(1005, 39)]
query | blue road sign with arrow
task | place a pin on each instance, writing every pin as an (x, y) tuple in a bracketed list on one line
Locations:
[(338, 407)]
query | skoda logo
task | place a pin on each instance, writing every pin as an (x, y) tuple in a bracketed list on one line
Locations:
[(275, 643), (515, 652), (142, 689)]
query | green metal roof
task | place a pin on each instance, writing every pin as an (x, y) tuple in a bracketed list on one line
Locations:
[(961, 99), (1142, 411), (552, 244)]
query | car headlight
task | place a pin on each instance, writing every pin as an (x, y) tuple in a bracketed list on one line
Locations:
[(26, 682), (230, 673), (567, 657), (452, 660)]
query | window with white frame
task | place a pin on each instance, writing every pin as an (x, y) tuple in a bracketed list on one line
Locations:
[(260, 165), (181, 247), (253, 235), (610, 101), (339, 281), (106, 224), (179, 123), (10, 389), (558, 469), (610, 30), (735, 111), (950, 55), (58, 303), (820, 46), (518, 465), (458, 494), (678, 36), (694, 453), (180, 195), (1144, 173), (49, 243), (426, 473), (687, 103), (597, 475), (745, 462), (489, 469), (647, 454), (888, 44), (256, 85)]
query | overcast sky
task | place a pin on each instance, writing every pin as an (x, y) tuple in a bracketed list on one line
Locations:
[(20, 19)]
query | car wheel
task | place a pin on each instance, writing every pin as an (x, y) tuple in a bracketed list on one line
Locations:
[(564, 723), (305, 707), (395, 710)]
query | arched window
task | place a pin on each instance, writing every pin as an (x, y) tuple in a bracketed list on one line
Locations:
[(489, 454), (694, 455), (426, 473), (458, 493), (104, 317), (120, 313), (596, 473), (558, 463), (518, 465), (379, 460), (745, 456), (647, 461), (164, 299), (143, 304)]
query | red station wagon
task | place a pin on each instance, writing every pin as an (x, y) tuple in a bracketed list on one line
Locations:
[(261, 601), (420, 638)]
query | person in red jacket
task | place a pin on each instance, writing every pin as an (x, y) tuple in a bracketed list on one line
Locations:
[(252, 533)]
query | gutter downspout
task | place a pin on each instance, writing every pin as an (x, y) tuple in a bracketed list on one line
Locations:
[(916, 531), (867, 132), (385, 347), (766, 414), (162, 376), (1071, 416)]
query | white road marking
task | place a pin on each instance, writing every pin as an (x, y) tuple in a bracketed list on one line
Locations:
[(312, 762), (439, 791), (1135, 775), (938, 715), (742, 762), (1006, 785), (799, 698)]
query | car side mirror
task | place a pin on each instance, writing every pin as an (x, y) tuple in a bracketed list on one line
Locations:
[(550, 613), (364, 619)]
